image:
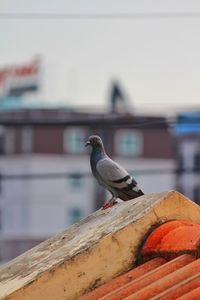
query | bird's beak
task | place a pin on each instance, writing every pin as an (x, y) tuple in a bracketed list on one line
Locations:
[(87, 143)]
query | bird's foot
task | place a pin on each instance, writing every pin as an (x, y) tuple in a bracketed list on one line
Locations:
[(109, 204)]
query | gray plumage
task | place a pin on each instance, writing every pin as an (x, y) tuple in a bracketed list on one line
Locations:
[(110, 174)]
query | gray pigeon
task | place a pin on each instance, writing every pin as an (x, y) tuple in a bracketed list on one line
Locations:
[(111, 175)]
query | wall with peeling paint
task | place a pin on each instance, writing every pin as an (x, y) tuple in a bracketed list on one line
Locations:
[(92, 251)]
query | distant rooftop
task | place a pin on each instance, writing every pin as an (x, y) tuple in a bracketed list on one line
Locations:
[(17, 111), (19, 103)]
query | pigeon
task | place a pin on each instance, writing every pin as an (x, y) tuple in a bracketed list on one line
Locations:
[(110, 174)]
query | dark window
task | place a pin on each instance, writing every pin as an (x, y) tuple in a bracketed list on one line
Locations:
[(180, 163), (0, 186), (197, 162), (2, 140), (10, 141), (26, 140), (0, 219)]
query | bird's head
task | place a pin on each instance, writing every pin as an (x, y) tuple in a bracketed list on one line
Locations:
[(94, 141)]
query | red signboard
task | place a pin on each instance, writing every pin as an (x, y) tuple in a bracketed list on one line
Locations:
[(18, 79)]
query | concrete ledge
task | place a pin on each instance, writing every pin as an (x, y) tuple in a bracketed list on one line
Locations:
[(91, 252)]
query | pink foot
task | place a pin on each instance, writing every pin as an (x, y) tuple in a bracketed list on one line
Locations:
[(109, 204)]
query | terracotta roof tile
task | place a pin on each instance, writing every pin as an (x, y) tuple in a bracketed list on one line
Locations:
[(154, 240), (156, 279), (166, 282), (153, 280), (193, 295), (123, 279), (153, 276), (172, 238), (179, 289)]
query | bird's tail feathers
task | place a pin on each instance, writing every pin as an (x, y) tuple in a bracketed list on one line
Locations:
[(128, 194)]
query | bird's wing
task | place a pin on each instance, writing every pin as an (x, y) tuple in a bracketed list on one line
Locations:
[(113, 174)]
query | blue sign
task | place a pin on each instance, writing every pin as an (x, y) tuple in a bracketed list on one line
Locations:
[(187, 123)]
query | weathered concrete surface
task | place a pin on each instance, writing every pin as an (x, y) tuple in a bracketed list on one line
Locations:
[(92, 251)]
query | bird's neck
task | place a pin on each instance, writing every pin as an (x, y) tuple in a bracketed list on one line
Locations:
[(97, 154), (99, 151)]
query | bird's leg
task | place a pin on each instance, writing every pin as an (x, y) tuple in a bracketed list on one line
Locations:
[(110, 203)]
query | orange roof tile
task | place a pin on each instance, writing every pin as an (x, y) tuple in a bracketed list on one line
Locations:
[(123, 279), (166, 282), (180, 289), (193, 295), (173, 237), (155, 238), (156, 279), (145, 280)]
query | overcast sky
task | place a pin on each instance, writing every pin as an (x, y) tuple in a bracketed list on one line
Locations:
[(157, 60)]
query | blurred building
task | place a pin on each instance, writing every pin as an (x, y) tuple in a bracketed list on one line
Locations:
[(187, 132), (45, 177)]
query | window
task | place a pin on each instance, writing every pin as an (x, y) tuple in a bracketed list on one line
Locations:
[(128, 143), (26, 140), (2, 140), (180, 163), (74, 139), (197, 162), (75, 181), (1, 184), (189, 148), (0, 219), (74, 215), (10, 140)]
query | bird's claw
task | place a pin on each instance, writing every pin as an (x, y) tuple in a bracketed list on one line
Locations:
[(109, 204)]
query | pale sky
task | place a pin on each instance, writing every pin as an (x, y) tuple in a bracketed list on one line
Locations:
[(157, 60)]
